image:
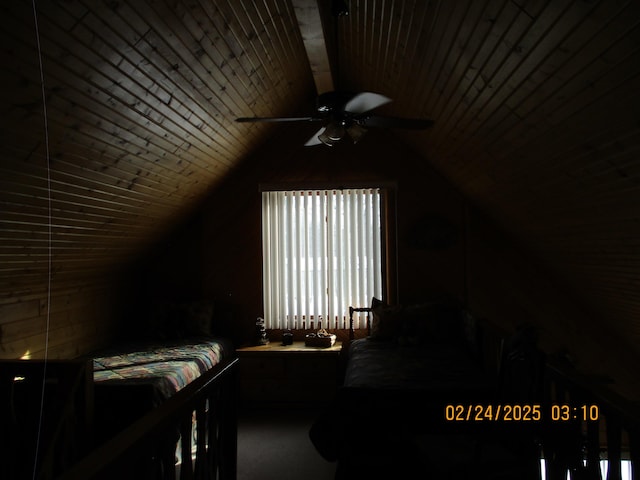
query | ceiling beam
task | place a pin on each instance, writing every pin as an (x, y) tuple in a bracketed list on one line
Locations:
[(310, 23)]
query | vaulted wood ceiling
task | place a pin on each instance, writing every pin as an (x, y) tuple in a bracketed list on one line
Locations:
[(536, 105)]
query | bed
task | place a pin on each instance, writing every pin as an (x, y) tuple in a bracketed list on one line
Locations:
[(389, 417), (176, 353), (132, 379), (142, 409)]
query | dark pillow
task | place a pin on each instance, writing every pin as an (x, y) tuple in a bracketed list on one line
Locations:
[(386, 320)]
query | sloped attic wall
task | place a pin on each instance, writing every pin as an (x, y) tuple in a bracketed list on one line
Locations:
[(140, 100)]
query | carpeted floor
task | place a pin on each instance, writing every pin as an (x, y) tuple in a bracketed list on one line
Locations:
[(274, 444)]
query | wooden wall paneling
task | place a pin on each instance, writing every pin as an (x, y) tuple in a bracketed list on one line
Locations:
[(413, 40), (250, 78), (265, 48), (80, 319), (59, 203), (93, 179), (206, 81), (176, 62), (28, 195), (96, 282), (224, 67), (28, 308), (279, 23), (558, 61), (437, 55), (492, 84), (243, 24), (598, 193), (381, 43), (350, 48), (238, 30), (343, 40), (497, 23), (214, 75), (485, 45), (462, 62), (241, 27), (29, 239), (344, 45), (534, 48), (106, 167), (561, 74), (169, 66), (80, 195), (122, 94), (432, 51), (57, 134), (616, 151)]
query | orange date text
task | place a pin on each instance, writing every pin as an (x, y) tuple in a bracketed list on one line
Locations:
[(493, 413)]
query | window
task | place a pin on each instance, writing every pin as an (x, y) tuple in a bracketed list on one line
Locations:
[(322, 252)]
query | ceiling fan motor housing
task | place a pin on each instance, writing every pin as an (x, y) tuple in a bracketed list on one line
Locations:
[(332, 101)]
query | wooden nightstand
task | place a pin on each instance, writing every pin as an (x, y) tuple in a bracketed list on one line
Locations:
[(276, 374)]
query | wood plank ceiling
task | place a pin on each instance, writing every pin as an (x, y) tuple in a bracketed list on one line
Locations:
[(140, 100), (536, 106)]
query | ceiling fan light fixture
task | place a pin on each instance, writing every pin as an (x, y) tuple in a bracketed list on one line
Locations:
[(332, 134), (347, 113), (324, 138)]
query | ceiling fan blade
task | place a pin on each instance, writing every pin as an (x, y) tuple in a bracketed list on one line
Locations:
[(363, 102), (395, 122), (315, 140), (278, 119)]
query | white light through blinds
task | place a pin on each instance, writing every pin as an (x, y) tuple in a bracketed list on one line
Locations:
[(321, 254)]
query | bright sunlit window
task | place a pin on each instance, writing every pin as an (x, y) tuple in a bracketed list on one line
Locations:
[(322, 252)]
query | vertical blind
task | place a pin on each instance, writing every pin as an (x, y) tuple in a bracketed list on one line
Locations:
[(321, 254)]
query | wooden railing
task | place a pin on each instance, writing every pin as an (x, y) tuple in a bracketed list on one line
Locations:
[(601, 425), (147, 448)]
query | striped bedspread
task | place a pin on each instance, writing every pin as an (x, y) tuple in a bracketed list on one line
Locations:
[(166, 368)]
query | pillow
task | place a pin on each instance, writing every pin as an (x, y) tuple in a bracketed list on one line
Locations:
[(386, 320)]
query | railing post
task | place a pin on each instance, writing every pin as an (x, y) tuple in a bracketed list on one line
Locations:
[(201, 469), (593, 451), (229, 429), (614, 446), (634, 447), (213, 431)]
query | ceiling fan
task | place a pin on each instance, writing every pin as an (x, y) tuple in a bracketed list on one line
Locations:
[(349, 114)]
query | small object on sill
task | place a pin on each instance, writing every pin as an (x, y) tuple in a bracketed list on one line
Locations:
[(322, 339), (261, 333), (287, 337)]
